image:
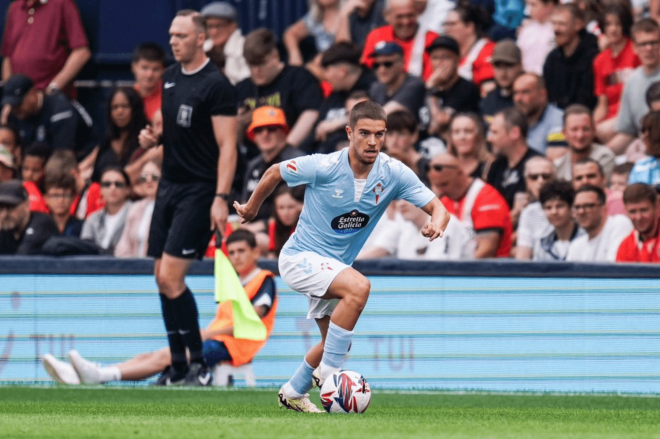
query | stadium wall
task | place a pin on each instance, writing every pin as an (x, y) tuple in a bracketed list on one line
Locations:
[(498, 326)]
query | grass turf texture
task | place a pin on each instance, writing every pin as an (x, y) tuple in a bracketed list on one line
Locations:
[(61, 412)]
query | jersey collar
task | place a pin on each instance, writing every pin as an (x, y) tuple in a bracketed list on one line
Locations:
[(376, 172)]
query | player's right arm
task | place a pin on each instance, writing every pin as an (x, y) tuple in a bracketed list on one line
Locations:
[(266, 186)]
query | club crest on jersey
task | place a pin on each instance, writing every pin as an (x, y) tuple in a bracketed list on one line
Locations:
[(184, 118), (292, 167), (378, 190), (349, 222)]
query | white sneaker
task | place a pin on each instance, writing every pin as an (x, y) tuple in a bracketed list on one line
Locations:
[(317, 378), (299, 405), (87, 371), (59, 370)]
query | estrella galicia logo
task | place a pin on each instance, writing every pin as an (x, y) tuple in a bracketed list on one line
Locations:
[(349, 222)]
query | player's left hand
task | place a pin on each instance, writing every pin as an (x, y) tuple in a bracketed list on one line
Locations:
[(219, 214), (432, 231)]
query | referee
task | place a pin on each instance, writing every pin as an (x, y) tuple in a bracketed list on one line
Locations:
[(199, 138)]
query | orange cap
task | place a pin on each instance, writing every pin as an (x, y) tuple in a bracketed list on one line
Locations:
[(267, 117)]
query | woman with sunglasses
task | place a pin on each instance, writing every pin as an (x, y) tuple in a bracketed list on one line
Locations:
[(467, 142), (135, 237), (105, 226)]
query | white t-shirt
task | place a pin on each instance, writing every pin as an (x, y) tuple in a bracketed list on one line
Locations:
[(604, 247), (535, 40), (533, 225), (360, 183), (112, 223), (403, 240)]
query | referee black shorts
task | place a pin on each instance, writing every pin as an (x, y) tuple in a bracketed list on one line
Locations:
[(181, 222)]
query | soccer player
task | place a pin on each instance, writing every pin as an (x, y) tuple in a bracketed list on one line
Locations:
[(199, 141), (219, 342), (347, 192)]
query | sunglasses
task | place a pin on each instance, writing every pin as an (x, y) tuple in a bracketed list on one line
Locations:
[(270, 130), (145, 178), (535, 177), (440, 168), (386, 64), (117, 184)]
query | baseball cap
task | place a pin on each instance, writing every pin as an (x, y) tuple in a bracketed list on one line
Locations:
[(384, 48), (15, 89), (267, 117), (444, 42), (6, 157), (506, 51), (12, 193), (220, 10)]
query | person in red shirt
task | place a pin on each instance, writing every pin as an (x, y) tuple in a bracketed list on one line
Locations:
[(479, 206), (404, 30), (643, 209), (148, 66), (44, 40), (612, 68), (467, 24)]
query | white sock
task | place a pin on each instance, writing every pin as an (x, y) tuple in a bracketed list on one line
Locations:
[(110, 373), (326, 370), (289, 392)]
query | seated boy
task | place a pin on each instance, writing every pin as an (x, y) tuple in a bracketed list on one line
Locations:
[(219, 342)]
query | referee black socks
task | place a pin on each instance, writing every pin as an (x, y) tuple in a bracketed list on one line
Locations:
[(184, 309), (177, 344)]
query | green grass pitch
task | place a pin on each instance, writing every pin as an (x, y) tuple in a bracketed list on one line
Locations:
[(60, 412)]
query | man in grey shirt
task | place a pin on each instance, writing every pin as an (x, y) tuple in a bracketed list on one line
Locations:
[(580, 133), (395, 89), (646, 42)]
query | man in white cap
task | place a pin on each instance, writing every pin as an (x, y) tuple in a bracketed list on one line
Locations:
[(225, 35)]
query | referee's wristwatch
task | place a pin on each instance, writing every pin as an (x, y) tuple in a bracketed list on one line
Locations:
[(223, 196)]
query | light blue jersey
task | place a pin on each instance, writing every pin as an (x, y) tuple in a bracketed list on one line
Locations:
[(332, 223)]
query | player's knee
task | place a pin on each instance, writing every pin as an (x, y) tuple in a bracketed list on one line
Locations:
[(359, 294), (169, 285)]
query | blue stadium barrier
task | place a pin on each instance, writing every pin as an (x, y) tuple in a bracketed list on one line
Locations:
[(494, 325)]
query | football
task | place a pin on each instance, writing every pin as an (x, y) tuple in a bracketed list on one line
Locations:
[(345, 392)]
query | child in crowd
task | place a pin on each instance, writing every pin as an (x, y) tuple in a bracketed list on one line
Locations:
[(33, 170), (60, 193), (619, 178)]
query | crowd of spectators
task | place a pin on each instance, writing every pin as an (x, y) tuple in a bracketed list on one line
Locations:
[(536, 124)]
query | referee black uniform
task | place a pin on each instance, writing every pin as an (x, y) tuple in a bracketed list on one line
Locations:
[(181, 224)]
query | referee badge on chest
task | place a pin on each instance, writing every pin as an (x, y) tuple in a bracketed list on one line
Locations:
[(184, 117)]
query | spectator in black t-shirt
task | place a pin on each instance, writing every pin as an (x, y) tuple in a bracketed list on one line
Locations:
[(344, 73), (52, 118), (268, 130), (507, 135), (359, 17), (395, 89), (120, 147), (402, 135), (21, 232), (507, 66), (276, 84), (449, 93), (568, 68), (60, 192)]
